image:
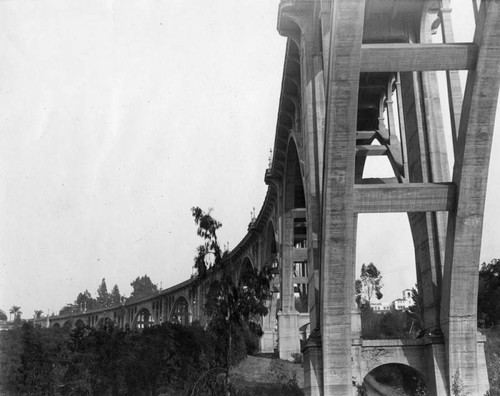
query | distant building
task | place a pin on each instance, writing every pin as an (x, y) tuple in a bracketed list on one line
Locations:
[(380, 307), (404, 303)]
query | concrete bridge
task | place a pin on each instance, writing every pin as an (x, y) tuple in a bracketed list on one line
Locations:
[(360, 80)]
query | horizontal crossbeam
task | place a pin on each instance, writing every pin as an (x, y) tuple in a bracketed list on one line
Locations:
[(370, 150), (365, 135), (408, 197), (417, 57)]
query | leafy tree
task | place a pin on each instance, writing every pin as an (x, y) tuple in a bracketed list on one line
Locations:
[(415, 311), (209, 254), (38, 313), (233, 309), (3, 315), (42, 361), (103, 297), (68, 309), (368, 285), (115, 297), (16, 311), (85, 301), (488, 312), (143, 286)]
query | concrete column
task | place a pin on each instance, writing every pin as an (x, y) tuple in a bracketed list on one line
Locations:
[(337, 258), (313, 365), (288, 324), (459, 315)]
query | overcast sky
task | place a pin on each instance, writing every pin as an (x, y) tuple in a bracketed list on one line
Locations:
[(116, 117)]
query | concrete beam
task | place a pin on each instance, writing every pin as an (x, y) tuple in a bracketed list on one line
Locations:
[(417, 57), (370, 150), (408, 197)]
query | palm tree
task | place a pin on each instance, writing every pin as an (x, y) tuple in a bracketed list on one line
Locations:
[(16, 311), (38, 313)]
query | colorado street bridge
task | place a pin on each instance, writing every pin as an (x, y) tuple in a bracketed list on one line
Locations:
[(360, 80)]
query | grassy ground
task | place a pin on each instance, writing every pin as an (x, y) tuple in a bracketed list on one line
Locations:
[(265, 375)]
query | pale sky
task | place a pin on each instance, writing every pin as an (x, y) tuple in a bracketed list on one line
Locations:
[(118, 116)]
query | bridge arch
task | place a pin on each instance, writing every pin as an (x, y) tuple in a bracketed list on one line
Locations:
[(143, 319), (270, 246), (246, 267), (293, 309), (180, 312), (269, 339), (104, 322), (79, 324), (68, 325), (395, 377)]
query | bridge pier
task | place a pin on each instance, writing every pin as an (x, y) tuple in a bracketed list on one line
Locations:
[(288, 334), (313, 365)]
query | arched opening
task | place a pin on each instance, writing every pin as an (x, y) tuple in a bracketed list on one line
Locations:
[(180, 311), (143, 320), (104, 323), (246, 272), (67, 325), (56, 326), (294, 310), (295, 216), (271, 256), (79, 324), (269, 339), (394, 379)]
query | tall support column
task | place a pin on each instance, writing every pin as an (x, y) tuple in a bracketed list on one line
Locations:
[(338, 223), (313, 121), (288, 325), (459, 303)]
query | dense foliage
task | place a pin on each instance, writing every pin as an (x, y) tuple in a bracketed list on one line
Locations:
[(234, 308), (85, 361), (488, 301), (368, 285), (143, 286)]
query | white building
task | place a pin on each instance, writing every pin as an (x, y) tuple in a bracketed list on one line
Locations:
[(404, 303)]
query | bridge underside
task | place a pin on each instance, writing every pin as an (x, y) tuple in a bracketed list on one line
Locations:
[(360, 81)]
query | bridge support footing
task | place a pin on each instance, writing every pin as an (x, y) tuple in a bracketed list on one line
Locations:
[(268, 341), (288, 335), (313, 365)]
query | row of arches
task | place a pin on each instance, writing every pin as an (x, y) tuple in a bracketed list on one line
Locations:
[(142, 318)]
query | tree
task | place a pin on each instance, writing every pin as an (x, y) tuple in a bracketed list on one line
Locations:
[(84, 301), (143, 286), (415, 311), (16, 311), (3, 315), (103, 297), (115, 297), (368, 285), (38, 313), (488, 310), (68, 309), (209, 254), (232, 308)]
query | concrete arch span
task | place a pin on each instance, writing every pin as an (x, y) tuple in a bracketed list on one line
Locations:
[(104, 322), (143, 319), (181, 311), (79, 323), (394, 379)]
